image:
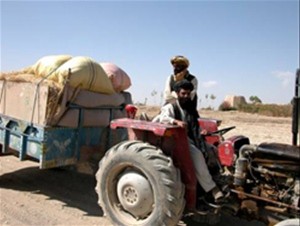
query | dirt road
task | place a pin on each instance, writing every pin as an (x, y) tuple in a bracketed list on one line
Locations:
[(34, 197), (30, 196)]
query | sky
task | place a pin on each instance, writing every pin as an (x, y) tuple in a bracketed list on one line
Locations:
[(245, 48)]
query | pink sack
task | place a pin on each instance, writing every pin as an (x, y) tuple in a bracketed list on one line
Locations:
[(119, 79)]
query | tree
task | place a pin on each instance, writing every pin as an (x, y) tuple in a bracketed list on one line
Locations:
[(206, 98), (153, 94), (212, 97), (209, 98), (161, 98), (255, 100)]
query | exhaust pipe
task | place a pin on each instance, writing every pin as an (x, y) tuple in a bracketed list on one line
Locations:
[(241, 165), (296, 110)]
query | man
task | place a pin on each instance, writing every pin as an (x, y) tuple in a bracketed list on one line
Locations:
[(182, 113), (180, 68)]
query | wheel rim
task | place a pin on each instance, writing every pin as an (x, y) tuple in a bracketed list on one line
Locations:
[(135, 194)]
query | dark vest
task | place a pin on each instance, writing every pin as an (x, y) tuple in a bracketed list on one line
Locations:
[(189, 77), (192, 124)]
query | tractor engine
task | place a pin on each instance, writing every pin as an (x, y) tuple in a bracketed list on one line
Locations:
[(269, 175)]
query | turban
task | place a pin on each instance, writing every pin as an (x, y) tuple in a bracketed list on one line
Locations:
[(180, 60)]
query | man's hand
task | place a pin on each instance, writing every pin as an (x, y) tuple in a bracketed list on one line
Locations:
[(180, 123), (203, 132)]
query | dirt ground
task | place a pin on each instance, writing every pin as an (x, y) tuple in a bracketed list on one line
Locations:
[(257, 127), (30, 196)]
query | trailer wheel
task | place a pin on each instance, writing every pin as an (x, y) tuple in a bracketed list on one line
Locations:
[(138, 185)]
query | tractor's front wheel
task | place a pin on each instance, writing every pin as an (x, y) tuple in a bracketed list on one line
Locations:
[(138, 185)]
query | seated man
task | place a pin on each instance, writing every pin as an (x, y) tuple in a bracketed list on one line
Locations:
[(184, 114)]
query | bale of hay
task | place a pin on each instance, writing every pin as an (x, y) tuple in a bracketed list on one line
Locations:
[(235, 101)]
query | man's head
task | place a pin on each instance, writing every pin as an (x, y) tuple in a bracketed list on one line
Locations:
[(179, 63), (183, 89)]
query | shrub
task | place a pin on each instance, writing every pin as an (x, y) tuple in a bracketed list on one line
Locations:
[(274, 110)]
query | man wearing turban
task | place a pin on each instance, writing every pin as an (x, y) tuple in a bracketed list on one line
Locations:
[(180, 68)]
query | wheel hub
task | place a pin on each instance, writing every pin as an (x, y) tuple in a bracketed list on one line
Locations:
[(135, 194)]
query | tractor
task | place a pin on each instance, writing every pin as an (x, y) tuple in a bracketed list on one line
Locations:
[(149, 179)]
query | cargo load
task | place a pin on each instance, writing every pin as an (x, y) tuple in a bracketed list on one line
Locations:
[(118, 77), (46, 90), (79, 72), (47, 105), (44, 66)]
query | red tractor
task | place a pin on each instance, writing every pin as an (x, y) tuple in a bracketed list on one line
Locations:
[(149, 179)]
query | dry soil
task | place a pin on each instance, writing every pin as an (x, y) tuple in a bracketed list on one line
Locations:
[(30, 196)]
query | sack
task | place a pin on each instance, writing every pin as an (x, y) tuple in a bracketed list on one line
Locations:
[(119, 78), (86, 74), (44, 66)]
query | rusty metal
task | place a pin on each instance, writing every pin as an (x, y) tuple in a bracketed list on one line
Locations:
[(276, 209), (272, 173), (241, 194), (288, 166), (251, 207)]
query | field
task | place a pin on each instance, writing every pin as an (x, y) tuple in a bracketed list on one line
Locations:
[(257, 127), (30, 196)]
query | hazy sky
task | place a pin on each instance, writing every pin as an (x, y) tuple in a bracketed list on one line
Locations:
[(234, 47)]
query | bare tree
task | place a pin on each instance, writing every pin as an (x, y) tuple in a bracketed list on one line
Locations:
[(212, 97)]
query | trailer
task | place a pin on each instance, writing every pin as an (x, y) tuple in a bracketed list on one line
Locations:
[(78, 135)]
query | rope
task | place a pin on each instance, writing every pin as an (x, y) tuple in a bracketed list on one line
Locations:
[(38, 89)]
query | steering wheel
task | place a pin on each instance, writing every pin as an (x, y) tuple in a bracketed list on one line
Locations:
[(221, 131)]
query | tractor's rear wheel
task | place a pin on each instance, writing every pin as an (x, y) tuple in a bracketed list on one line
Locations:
[(138, 185)]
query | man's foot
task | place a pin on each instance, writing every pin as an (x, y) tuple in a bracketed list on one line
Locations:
[(217, 194)]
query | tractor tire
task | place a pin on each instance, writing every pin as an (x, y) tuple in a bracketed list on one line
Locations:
[(138, 185), (289, 222)]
